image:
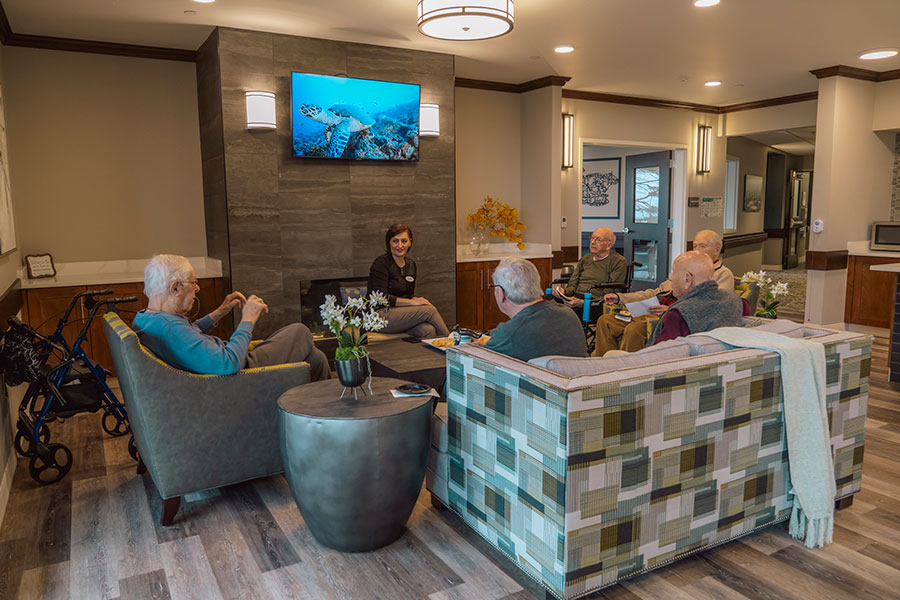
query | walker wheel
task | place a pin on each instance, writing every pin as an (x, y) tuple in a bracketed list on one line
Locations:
[(113, 426), (132, 449), (25, 447), (52, 466)]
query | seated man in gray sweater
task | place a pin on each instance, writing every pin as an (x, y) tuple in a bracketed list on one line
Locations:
[(536, 327), (701, 304)]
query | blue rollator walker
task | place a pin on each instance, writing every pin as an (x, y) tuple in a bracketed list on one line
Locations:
[(63, 382)]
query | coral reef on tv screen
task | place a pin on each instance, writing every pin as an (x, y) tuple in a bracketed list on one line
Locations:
[(361, 119)]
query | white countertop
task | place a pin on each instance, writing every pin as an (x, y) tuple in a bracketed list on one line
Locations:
[(104, 272), (498, 251), (890, 267), (862, 249)]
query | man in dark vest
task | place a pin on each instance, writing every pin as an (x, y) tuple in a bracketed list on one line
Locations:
[(701, 304)]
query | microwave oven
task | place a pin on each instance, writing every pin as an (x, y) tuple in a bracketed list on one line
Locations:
[(885, 236)]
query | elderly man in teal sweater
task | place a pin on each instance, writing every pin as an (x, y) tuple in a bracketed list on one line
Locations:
[(171, 286)]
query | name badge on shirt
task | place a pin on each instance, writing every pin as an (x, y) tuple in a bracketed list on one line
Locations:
[(410, 278)]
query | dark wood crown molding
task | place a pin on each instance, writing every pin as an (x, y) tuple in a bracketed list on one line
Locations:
[(856, 73), (638, 101), (769, 102), (512, 88), (24, 40)]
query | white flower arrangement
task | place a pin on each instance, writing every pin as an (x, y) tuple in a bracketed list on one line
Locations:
[(351, 322), (768, 292)]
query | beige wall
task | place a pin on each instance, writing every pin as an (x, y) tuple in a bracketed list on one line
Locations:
[(488, 151), (887, 106), (541, 132), (852, 184), (8, 401), (105, 155), (773, 118)]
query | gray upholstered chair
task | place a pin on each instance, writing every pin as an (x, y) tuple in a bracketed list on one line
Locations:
[(196, 432)]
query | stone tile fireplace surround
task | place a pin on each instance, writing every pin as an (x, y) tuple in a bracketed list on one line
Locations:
[(274, 219)]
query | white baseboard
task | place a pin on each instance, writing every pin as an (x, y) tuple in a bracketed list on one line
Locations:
[(9, 470)]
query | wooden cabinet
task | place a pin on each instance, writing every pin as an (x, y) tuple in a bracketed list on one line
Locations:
[(475, 305), (870, 293), (43, 308)]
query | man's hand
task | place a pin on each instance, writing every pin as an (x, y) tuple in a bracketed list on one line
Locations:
[(254, 308), (611, 298), (559, 292), (657, 309), (232, 300), (574, 302), (484, 339)]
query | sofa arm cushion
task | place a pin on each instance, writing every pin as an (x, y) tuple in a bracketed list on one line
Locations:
[(572, 367), (785, 327)]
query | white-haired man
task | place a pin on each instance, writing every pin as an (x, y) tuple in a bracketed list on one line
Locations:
[(600, 266), (535, 327), (171, 286)]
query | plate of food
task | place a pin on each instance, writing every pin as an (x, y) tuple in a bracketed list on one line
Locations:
[(441, 343)]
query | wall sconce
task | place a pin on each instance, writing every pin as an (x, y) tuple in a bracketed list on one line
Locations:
[(704, 139), (568, 149), (260, 110), (429, 120)]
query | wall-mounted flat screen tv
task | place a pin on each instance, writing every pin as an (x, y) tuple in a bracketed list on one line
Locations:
[(361, 119)]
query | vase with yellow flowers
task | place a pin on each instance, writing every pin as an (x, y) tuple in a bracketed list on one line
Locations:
[(494, 218)]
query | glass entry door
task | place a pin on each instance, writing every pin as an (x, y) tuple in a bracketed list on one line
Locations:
[(646, 230)]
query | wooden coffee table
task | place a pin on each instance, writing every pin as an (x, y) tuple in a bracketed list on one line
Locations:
[(411, 361)]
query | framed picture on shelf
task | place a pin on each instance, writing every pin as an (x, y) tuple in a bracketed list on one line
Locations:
[(39, 265), (752, 193), (600, 179)]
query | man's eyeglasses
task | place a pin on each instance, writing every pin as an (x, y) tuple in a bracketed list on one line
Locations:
[(193, 282), (495, 285), (598, 239)]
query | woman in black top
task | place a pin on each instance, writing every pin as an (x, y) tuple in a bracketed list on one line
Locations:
[(394, 274)]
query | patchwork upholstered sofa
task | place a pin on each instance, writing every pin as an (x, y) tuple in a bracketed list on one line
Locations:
[(584, 477)]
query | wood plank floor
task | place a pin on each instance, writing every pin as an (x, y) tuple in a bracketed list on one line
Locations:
[(96, 535)]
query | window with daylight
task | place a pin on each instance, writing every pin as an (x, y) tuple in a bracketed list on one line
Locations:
[(732, 168)]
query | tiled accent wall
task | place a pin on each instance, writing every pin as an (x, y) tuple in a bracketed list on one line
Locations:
[(895, 189), (275, 219)]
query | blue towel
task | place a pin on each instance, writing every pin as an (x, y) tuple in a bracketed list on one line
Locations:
[(810, 459)]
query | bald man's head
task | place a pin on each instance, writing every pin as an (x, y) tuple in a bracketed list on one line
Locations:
[(708, 242), (602, 240), (690, 269)]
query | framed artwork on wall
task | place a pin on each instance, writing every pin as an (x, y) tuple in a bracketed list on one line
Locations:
[(600, 179), (7, 227), (752, 193)]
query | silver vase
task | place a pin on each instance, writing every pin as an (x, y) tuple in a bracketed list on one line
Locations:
[(352, 373)]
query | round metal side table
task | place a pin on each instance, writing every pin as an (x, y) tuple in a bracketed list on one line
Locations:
[(355, 466)]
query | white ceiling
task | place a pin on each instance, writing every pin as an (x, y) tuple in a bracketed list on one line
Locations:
[(653, 48)]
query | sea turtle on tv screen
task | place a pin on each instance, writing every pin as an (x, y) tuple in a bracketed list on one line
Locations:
[(342, 119)]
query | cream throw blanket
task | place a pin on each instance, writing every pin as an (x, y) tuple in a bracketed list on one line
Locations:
[(810, 458)]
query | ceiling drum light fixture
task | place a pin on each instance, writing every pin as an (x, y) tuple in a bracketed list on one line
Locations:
[(568, 144), (564, 49), (704, 139), (878, 53), (429, 120), (713, 83), (465, 20), (260, 110), (705, 3)]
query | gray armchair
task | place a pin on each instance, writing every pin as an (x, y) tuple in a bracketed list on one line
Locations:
[(196, 432)]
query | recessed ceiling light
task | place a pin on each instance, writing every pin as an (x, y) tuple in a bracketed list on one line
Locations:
[(712, 83), (564, 49), (705, 3), (878, 53)]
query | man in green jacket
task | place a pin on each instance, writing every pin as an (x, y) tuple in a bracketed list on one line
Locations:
[(601, 266)]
